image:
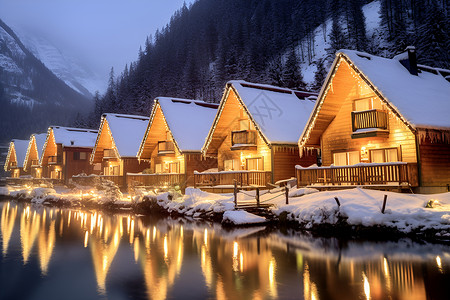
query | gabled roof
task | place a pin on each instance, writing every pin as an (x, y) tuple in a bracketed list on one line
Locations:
[(424, 100), (20, 150), (126, 131), (188, 122), (74, 137), (421, 101), (279, 114), (38, 141)]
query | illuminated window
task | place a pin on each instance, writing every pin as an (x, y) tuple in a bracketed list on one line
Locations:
[(384, 155), (158, 168), (173, 167), (346, 158), (367, 103), (79, 156), (255, 164)]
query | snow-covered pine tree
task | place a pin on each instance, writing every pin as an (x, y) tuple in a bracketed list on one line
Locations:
[(292, 76)]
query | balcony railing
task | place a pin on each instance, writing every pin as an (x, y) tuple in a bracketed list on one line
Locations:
[(35, 162), (109, 153), (53, 160), (165, 147), (13, 164), (156, 180), (369, 119), (243, 137), (243, 178), (361, 174)]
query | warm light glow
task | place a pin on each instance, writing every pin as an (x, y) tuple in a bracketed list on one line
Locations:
[(366, 286), (205, 237), (439, 263), (166, 248), (86, 239)]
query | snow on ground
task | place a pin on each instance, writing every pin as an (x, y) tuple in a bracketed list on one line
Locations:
[(241, 217)]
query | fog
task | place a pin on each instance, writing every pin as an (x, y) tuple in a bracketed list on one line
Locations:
[(99, 33)]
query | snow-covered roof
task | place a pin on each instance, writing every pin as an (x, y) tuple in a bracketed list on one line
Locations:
[(74, 137), (21, 147), (189, 121), (423, 100), (127, 132), (280, 113)]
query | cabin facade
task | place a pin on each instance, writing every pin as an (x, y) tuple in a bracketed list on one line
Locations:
[(380, 121), (117, 145), (34, 152), (66, 153), (15, 159), (173, 140), (255, 133)]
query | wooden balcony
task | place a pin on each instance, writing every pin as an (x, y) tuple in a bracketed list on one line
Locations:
[(243, 139), (54, 160), (35, 163), (13, 164), (156, 180), (166, 147), (374, 121), (227, 178), (109, 153), (398, 173)]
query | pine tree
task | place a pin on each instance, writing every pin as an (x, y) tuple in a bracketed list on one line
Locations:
[(337, 39), (292, 76), (320, 76)]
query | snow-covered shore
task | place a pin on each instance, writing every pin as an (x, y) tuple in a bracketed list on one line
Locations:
[(406, 214)]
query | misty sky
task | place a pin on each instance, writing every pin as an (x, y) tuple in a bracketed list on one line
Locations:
[(101, 33)]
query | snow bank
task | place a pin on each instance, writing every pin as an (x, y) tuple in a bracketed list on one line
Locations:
[(404, 212), (241, 217), (4, 191)]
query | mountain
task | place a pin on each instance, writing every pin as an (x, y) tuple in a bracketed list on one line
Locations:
[(286, 43), (73, 72), (31, 96)]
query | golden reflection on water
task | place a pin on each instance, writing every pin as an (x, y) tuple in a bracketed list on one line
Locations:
[(233, 266)]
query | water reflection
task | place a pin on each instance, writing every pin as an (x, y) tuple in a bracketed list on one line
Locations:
[(162, 258)]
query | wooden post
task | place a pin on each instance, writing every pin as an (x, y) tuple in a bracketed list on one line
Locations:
[(384, 204), (337, 201), (257, 196), (286, 193), (235, 194)]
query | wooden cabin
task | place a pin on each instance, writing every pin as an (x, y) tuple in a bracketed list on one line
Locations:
[(255, 133), (34, 152), (380, 121), (117, 146), (16, 157), (66, 152), (173, 141)]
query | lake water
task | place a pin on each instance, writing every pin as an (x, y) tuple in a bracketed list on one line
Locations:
[(52, 253)]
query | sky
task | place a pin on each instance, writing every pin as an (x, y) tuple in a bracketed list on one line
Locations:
[(99, 33)]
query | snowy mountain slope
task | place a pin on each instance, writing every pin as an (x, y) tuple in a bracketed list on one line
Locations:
[(68, 69), (322, 43)]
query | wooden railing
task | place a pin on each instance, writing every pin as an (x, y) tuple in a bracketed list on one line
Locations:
[(166, 147), (156, 180), (35, 162), (109, 153), (369, 119), (13, 164), (54, 159), (243, 178), (361, 174), (117, 179), (244, 137)]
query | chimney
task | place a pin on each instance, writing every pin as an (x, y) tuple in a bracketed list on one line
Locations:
[(411, 62)]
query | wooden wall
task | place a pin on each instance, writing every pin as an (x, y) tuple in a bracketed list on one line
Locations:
[(434, 163), (337, 136), (195, 162), (286, 158), (74, 167)]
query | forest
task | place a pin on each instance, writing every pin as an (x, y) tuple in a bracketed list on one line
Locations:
[(213, 41)]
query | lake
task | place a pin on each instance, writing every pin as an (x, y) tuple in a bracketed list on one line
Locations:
[(53, 253)]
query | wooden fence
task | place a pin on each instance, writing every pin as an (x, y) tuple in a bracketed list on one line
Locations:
[(243, 178), (156, 180), (363, 174)]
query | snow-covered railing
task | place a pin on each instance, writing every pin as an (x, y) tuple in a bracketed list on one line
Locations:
[(359, 174), (243, 178)]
